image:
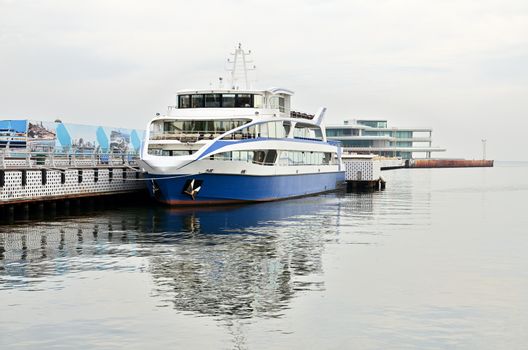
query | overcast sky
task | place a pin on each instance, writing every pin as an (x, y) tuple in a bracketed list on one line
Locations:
[(460, 67)]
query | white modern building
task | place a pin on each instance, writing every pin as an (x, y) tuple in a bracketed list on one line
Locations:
[(376, 137)]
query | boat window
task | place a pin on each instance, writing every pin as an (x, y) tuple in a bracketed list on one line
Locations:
[(246, 133), (157, 150), (308, 132), (265, 130), (281, 104), (258, 101), (272, 130), (245, 156), (192, 130), (243, 100), (184, 101), (221, 126), (279, 130), (283, 158), (262, 130), (222, 100), (287, 128), (271, 157), (293, 158), (228, 100), (277, 102), (259, 157), (274, 102), (156, 127), (286, 158), (213, 100), (197, 101), (265, 157)]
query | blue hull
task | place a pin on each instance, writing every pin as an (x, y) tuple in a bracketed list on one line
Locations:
[(223, 188)]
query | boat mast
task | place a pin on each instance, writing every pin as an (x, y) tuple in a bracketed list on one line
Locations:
[(239, 67)]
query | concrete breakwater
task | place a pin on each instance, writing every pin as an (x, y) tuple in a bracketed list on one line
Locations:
[(449, 163)]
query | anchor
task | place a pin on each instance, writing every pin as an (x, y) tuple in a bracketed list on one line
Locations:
[(191, 190)]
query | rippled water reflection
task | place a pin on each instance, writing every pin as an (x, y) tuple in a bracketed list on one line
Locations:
[(435, 261)]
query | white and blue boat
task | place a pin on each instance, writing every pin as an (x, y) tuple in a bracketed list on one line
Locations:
[(230, 145)]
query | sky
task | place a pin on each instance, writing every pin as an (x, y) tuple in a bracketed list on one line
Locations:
[(459, 67)]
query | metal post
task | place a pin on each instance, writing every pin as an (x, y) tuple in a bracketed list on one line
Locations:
[(25, 211)]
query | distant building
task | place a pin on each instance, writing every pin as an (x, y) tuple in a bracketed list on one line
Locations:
[(374, 136)]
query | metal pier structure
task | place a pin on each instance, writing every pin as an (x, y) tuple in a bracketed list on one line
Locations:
[(363, 172), (37, 177)]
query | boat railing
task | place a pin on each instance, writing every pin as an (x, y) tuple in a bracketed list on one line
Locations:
[(280, 163), (186, 137), (307, 138), (23, 158), (240, 136), (195, 136), (334, 143), (295, 114), (221, 157)]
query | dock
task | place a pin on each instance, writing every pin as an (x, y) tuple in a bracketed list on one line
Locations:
[(48, 164), (35, 178), (363, 172)]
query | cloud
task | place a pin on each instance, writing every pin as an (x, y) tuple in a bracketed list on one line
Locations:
[(56, 64), (439, 64)]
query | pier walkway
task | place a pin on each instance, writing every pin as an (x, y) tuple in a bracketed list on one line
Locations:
[(39, 176)]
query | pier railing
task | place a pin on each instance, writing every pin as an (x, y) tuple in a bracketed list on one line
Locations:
[(14, 158)]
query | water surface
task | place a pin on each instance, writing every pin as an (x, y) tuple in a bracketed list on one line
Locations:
[(436, 261)]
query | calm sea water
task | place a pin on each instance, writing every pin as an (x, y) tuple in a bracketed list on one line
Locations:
[(437, 261)]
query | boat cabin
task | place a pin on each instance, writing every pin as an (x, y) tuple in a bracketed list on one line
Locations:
[(278, 99)]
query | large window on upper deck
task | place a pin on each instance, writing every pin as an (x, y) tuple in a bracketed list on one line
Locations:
[(197, 101), (274, 130), (213, 100), (244, 101), (184, 101), (227, 100), (193, 130)]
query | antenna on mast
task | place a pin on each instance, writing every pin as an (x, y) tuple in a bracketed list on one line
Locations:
[(240, 65)]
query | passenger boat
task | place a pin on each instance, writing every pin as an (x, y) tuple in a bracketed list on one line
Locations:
[(233, 145)]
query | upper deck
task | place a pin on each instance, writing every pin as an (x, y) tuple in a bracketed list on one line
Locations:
[(275, 101), (205, 115)]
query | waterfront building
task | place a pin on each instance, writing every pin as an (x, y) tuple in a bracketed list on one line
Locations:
[(376, 137)]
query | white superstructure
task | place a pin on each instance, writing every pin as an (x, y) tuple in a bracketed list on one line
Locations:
[(251, 134)]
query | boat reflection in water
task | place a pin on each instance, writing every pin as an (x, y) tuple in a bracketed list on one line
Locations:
[(239, 262)]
